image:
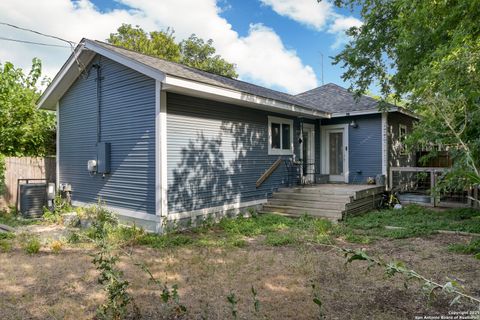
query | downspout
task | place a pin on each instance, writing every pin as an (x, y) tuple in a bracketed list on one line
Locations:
[(98, 79)]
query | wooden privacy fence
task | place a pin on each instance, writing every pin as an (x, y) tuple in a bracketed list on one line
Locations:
[(25, 168)]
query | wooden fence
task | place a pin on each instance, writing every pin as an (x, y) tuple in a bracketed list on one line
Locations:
[(25, 168)]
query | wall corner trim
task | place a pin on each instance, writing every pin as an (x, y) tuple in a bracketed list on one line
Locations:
[(161, 180), (384, 144)]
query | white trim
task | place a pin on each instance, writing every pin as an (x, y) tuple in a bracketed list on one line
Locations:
[(271, 151), (163, 154), (123, 212), (309, 127), (57, 148), (346, 149), (175, 83), (206, 211), (385, 144), (374, 111), (158, 179), (122, 59)]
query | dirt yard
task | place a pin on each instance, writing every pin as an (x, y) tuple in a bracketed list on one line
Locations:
[(63, 285)]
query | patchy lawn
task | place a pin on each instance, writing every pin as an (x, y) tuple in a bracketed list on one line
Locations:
[(280, 257)]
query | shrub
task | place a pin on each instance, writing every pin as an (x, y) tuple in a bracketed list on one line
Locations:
[(56, 246), (31, 245)]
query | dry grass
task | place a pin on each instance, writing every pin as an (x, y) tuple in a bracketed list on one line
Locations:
[(63, 286)]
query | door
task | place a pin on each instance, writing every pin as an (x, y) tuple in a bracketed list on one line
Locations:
[(335, 152), (308, 153)]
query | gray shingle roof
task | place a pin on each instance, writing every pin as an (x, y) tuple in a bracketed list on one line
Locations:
[(182, 71), (335, 99)]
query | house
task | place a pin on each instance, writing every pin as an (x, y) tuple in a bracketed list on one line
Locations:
[(159, 141)]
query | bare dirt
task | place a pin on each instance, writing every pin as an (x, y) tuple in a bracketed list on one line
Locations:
[(63, 286)]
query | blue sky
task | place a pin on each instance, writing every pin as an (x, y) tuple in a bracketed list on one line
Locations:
[(275, 43)]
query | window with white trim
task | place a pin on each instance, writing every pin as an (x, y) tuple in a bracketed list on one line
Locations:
[(280, 136)]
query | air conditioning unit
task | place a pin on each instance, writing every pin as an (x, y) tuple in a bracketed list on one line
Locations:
[(33, 198)]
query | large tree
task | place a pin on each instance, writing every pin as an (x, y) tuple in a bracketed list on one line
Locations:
[(24, 130), (429, 53), (193, 52)]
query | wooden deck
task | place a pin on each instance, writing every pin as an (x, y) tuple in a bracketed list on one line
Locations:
[(331, 201)]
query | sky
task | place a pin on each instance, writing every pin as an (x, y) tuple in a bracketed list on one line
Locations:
[(274, 43)]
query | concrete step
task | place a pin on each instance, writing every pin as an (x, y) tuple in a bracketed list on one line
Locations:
[(299, 211), (319, 191), (307, 204), (312, 197)]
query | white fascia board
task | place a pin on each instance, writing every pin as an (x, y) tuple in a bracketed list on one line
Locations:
[(83, 54), (65, 77), (172, 82), (131, 63), (374, 111)]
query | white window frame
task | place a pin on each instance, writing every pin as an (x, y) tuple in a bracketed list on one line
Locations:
[(275, 151), (401, 138)]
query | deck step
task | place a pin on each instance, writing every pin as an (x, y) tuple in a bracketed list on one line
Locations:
[(319, 191), (299, 211), (319, 204), (312, 197)]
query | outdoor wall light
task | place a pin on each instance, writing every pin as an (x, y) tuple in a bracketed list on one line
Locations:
[(353, 124)]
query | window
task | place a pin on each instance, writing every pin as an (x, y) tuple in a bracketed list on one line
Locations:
[(402, 135), (280, 136)]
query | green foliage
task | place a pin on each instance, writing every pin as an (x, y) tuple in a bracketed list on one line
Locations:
[(6, 241), (193, 52), (392, 268), (10, 218), (30, 244), (317, 300), (233, 302), (2, 174), (256, 302), (165, 241), (197, 53), (428, 52), (280, 239), (473, 247), (416, 221), (24, 130)]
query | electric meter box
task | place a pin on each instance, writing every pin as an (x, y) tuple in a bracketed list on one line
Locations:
[(103, 157)]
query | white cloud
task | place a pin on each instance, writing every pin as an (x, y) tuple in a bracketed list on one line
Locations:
[(319, 16), (307, 12), (339, 26), (260, 56)]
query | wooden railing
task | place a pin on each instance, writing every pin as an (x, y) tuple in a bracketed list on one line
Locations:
[(269, 172)]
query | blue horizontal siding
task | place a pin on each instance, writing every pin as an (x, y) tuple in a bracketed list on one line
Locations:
[(365, 146), (216, 153), (127, 122)]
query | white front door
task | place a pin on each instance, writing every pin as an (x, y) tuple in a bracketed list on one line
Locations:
[(335, 152), (308, 153)]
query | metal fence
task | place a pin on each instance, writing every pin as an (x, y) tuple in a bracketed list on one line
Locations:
[(416, 185)]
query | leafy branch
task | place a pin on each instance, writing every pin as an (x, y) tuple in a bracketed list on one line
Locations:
[(451, 287)]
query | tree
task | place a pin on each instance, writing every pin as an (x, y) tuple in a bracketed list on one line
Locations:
[(199, 54), (193, 52), (429, 53), (24, 130)]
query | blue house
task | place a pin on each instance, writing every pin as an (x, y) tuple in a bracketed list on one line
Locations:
[(159, 141)]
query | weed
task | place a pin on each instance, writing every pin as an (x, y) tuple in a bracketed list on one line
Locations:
[(473, 247), (280, 239), (73, 238), (416, 221), (5, 245), (165, 241), (233, 301), (30, 244), (56, 246), (256, 302), (316, 299)]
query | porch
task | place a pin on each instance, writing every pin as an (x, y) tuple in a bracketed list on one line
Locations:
[(331, 201)]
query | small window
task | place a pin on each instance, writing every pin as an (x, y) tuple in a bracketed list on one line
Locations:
[(402, 135), (280, 136)]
